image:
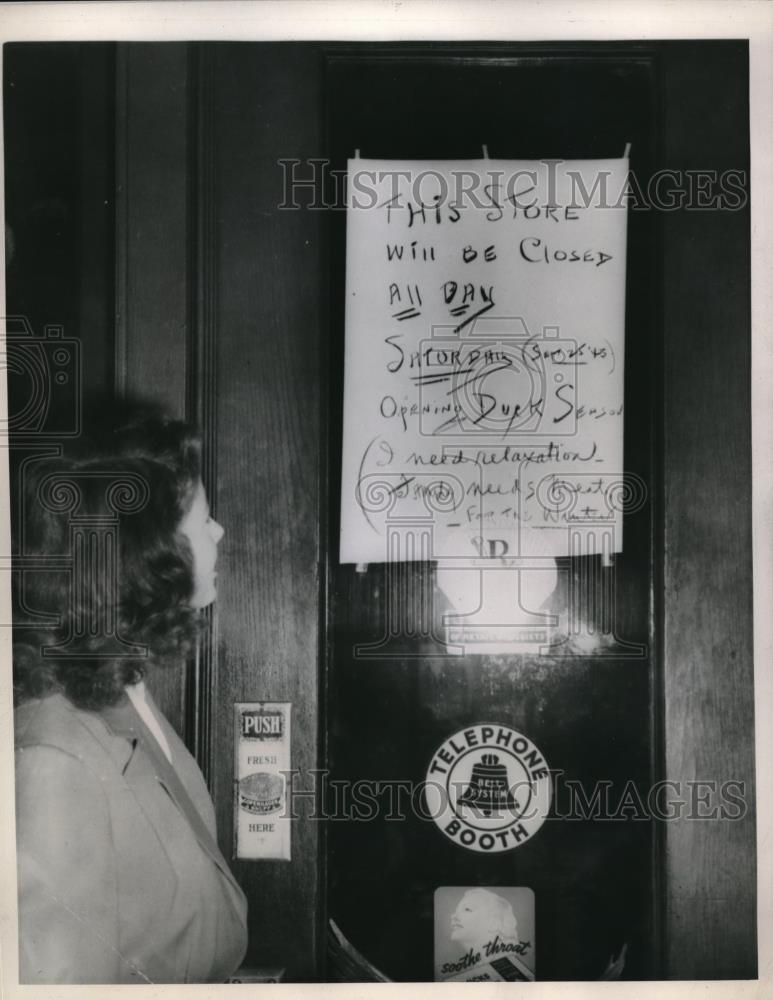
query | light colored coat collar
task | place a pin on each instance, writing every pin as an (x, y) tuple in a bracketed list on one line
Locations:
[(124, 722), (125, 740)]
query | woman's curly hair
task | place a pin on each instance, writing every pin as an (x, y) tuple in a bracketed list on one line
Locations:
[(136, 472)]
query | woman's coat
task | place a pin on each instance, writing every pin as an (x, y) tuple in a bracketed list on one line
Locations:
[(120, 876)]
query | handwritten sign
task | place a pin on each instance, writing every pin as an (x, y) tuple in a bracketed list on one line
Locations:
[(483, 404)]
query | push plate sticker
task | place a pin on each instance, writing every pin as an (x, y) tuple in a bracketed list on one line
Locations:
[(261, 770)]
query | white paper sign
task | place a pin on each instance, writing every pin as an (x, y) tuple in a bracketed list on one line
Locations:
[(483, 409), (261, 768)]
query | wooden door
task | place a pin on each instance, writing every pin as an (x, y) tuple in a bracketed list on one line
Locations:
[(619, 718), (591, 716)]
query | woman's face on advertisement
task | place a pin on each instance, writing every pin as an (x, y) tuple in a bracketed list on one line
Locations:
[(203, 534), (473, 919)]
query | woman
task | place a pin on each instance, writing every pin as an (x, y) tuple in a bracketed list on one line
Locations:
[(120, 876), (481, 918)]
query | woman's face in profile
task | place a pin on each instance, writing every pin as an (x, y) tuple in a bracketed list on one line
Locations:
[(473, 918), (203, 534)]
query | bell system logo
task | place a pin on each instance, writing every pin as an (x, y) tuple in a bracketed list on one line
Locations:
[(494, 788)]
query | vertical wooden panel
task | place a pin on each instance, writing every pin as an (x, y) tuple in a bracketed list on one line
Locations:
[(270, 323), (202, 370), (218, 317), (152, 194), (709, 707), (152, 281), (97, 270), (41, 110)]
